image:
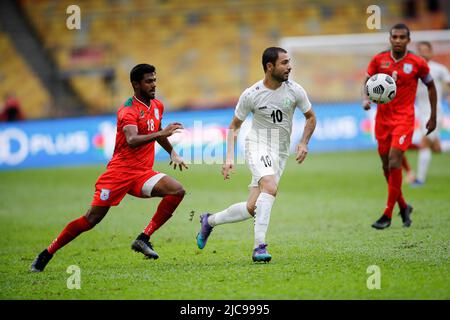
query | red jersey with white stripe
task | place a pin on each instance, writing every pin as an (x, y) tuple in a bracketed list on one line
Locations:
[(147, 120), (406, 72)]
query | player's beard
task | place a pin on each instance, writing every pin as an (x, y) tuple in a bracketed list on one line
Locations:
[(399, 49), (280, 77), (148, 95), (145, 96)]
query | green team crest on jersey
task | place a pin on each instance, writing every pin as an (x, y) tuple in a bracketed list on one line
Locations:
[(287, 102)]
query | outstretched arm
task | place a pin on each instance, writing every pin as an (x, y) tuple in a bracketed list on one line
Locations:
[(231, 142), (310, 125)]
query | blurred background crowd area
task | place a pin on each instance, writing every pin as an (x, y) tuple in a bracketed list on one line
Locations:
[(205, 51)]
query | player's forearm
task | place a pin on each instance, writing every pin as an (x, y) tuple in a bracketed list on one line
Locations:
[(231, 142), (135, 141), (432, 96), (310, 125), (165, 143), (232, 134)]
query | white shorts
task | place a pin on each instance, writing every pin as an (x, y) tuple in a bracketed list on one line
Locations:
[(148, 186), (264, 163)]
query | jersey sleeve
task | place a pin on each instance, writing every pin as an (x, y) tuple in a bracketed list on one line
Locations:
[(126, 117), (244, 106), (424, 71), (372, 68), (301, 99)]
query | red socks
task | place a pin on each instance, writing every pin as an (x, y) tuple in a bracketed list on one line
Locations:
[(394, 190), (165, 209), (70, 232), (400, 200)]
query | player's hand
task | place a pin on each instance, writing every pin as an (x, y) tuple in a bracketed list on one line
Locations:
[(176, 160), (302, 151), (226, 169), (431, 125), (366, 104), (171, 129)]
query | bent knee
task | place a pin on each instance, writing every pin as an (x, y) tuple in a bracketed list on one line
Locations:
[(270, 189), (94, 218), (268, 185), (436, 149), (177, 191), (180, 192), (395, 162), (251, 209)]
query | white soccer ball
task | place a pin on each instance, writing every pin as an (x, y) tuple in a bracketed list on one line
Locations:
[(381, 88)]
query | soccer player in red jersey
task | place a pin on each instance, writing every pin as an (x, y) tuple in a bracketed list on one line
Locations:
[(131, 168), (394, 121)]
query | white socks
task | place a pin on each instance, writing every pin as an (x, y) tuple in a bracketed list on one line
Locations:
[(234, 213), (264, 205), (238, 212), (424, 160)]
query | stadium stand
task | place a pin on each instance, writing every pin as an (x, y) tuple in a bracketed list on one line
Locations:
[(206, 52), (18, 79)]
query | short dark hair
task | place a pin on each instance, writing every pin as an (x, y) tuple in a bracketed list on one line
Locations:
[(137, 73), (400, 26), (271, 55), (425, 43)]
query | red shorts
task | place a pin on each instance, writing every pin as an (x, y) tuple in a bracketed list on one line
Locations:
[(389, 136), (113, 185)]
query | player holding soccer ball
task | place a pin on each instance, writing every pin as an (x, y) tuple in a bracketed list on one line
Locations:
[(130, 169), (394, 121), (272, 101)]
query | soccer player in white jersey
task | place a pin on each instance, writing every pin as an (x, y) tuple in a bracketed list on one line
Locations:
[(272, 101), (429, 142)]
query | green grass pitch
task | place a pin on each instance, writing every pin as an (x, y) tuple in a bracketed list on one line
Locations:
[(319, 236)]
